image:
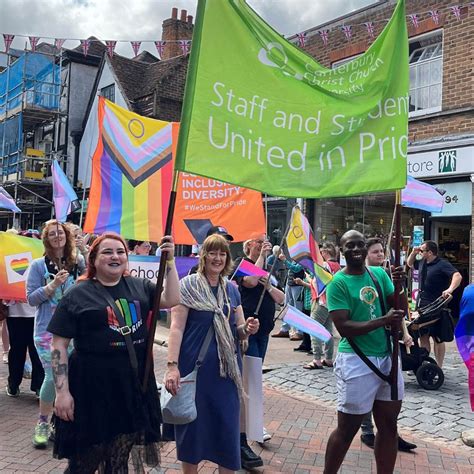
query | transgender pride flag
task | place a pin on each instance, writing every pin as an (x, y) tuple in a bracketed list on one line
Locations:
[(299, 320), (421, 196), (64, 197)]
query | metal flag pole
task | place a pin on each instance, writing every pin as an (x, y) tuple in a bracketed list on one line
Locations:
[(159, 285)]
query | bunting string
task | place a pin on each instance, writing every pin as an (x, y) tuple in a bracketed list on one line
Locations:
[(457, 11)]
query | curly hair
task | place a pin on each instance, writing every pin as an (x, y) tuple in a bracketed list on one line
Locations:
[(69, 252), (91, 271)]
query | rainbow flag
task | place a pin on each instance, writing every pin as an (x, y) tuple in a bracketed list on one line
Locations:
[(7, 202), (464, 333), (16, 255), (304, 249), (421, 196), (64, 197), (299, 320), (131, 174)]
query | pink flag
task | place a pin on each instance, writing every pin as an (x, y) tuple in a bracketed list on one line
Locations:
[(185, 46), (33, 42), (414, 19), (110, 45), (435, 16), (324, 36), (456, 9), (136, 46), (347, 30), (58, 43), (8, 41), (301, 39), (160, 47), (85, 46), (370, 28)]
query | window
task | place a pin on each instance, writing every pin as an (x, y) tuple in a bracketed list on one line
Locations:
[(108, 92), (426, 75)]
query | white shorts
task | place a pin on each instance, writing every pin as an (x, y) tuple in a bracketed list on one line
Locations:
[(358, 387)]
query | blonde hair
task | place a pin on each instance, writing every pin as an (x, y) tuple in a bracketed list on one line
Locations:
[(215, 242)]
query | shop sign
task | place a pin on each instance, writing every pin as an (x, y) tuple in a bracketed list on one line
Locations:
[(438, 163), (457, 199)]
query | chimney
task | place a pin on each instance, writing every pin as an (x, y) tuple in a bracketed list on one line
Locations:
[(175, 30)]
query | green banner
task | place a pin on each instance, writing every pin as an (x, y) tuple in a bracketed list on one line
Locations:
[(262, 114)]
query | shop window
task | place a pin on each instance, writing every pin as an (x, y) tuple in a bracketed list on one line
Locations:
[(426, 74), (108, 92)]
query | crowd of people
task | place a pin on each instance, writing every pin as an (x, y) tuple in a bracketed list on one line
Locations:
[(85, 327)]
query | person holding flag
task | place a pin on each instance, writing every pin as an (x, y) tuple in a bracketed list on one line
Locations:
[(358, 301)]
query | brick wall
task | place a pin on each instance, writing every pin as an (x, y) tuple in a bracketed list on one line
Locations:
[(174, 30), (458, 41)]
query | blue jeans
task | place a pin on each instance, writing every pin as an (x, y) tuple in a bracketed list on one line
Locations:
[(258, 344)]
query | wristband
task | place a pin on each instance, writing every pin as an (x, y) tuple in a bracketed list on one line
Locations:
[(270, 289), (171, 363)]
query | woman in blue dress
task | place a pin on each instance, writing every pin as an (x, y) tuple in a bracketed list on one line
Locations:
[(208, 298)]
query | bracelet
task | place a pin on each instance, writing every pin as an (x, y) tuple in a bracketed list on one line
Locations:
[(270, 289), (170, 363)]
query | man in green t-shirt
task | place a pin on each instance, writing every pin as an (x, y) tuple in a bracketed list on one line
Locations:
[(355, 307)]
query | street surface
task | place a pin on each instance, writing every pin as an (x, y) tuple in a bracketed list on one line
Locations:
[(299, 412)]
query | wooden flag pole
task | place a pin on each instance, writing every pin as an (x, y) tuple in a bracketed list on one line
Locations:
[(159, 286), (398, 287)]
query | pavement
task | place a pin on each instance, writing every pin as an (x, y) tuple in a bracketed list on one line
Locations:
[(300, 413)]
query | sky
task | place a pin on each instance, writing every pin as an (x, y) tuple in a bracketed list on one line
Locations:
[(142, 19)]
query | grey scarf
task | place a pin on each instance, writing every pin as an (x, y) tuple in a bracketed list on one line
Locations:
[(196, 293)]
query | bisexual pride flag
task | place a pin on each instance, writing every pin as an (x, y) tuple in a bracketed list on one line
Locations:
[(300, 321), (247, 268), (464, 333)]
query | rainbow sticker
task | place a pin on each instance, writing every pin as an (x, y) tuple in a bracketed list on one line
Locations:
[(20, 265)]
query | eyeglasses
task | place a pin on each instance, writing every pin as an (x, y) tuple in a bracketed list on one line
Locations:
[(424, 250)]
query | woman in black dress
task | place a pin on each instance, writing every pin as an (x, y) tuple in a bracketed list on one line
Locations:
[(102, 410)]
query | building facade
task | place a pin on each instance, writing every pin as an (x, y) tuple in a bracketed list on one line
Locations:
[(441, 125)]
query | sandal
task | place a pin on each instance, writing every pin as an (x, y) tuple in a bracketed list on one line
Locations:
[(312, 366), (326, 364)]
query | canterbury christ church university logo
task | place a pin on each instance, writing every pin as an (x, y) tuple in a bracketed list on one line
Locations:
[(344, 80)]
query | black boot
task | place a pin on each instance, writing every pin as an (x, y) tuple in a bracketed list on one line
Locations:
[(248, 458), (405, 445)]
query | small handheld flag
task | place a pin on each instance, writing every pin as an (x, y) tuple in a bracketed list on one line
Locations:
[(7, 202), (299, 320), (421, 195), (64, 197)]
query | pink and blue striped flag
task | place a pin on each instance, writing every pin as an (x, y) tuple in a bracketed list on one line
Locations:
[(299, 320), (247, 268), (464, 333), (7, 202), (64, 197), (421, 196)]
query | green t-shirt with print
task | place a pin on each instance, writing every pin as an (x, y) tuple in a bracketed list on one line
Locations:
[(358, 295)]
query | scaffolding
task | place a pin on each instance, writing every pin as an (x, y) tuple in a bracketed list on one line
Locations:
[(31, 89)]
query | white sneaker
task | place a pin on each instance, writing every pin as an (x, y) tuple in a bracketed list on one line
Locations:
[(266, 435)]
